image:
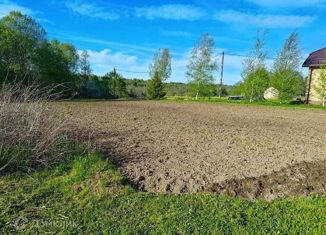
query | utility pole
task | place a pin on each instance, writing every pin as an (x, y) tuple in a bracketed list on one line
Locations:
[(222, 73)]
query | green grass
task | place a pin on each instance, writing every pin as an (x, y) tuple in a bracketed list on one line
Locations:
[(89, 195), (224, 100)]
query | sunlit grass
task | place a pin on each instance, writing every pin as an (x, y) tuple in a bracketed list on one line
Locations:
[(90, 195), (224, 100)]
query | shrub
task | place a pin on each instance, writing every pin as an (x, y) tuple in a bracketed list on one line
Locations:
[(33, 133)]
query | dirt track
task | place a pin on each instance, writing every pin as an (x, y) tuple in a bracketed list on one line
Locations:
[(190, 147)]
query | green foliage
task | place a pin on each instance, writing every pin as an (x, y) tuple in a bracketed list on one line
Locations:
[(289, 83), (96, 87), (155, 87), (237, 89), (255, 75), (201, 67), (26, 54), (20, 39), (89, 195), (224, 91), (159, 71), (202, 89), (116, 84), (57, 64), (176, 89), (136, 88), (255, 84)]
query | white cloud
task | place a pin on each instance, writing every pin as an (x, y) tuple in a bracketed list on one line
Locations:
[(105, 57), (288, 3), (131, 66), (105, 60), (264, 20), (7, 6), (171, 12), (139, 50), (92, 10), (171, 33), (116, 45)]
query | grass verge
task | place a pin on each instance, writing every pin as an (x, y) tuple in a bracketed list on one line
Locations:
[(89, 195), (224, 100)]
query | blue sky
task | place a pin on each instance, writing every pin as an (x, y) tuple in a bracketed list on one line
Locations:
[(125, 34)]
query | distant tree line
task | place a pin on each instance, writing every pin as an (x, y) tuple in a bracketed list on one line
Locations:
[(28, 56)]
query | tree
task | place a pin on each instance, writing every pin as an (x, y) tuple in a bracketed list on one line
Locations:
[(320, 85), (201, 65), (116, 84), (256, 83), (20, 38), (286, 77), (155, 87), (255, 75), (85, 66), (161, 65), (159, 71), (57, 64)]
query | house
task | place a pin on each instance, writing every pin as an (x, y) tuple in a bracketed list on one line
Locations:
[(314, 62)]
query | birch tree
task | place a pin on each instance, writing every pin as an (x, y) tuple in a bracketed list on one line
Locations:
[(85, 66), (255, 75), (202, 64), (286, 77), (161, 65)]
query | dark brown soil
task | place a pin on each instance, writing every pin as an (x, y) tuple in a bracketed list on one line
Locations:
[(256, 152), (300, 179)]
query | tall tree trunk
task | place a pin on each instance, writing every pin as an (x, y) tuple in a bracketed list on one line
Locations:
[(197, 94), (324, 101), (252, 93)]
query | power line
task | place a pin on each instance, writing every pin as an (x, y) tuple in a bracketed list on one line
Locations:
[(247, 56), (126, 71), (181, 67)]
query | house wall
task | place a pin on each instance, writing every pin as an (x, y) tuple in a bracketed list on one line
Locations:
[(314, 99)]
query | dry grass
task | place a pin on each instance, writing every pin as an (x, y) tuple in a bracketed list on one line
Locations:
[(32, 133)]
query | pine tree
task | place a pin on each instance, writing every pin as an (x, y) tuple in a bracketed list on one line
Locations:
[(155, 87), (159, 71)]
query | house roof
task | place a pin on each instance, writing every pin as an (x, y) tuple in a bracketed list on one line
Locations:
[(316, 58)]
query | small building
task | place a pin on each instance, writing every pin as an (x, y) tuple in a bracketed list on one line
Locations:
[(314, 62), (271, 94)]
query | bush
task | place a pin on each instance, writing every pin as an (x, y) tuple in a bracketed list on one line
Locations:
[(33, 133)]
